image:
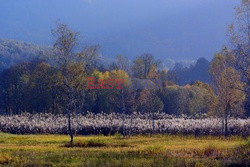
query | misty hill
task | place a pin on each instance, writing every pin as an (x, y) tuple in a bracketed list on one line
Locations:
[(188, 75), (173, 29), (13, 52)]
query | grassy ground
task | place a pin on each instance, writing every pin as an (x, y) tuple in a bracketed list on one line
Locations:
[(160, 150)]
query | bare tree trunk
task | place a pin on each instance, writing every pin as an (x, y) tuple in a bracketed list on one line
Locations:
[(153, 124), (131, 122), (69, 127), (69, 107), (70, 130), (226, 126), (222, 126), (123, 114), (132, 112), (226, 119)]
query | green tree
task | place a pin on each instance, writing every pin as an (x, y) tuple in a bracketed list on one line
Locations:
[(149, 102), (206, 98), (14, 83), (45, 89), (143, 64)]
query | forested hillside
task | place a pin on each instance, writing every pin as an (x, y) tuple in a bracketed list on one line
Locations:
[(13, 52)]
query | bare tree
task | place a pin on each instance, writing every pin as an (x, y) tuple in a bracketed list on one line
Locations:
[(121, 63), (90, 57)]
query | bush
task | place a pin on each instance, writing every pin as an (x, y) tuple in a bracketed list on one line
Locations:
[(155, 149), (88, 143), (213, 152)]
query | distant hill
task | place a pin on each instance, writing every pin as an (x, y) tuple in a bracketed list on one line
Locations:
[(188, 75), (13, 52)]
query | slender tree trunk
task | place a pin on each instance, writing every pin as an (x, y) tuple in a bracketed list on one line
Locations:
[(222, 126), (69, 103), (226, 126), (153, 124), (53, 106), (131, 122), (123, 114), (69, 126), (132, 112), (226, 119)]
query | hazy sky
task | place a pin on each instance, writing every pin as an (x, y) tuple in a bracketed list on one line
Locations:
[(169, 29)]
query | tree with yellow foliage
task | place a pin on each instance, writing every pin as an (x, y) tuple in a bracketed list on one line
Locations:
[(227, 87)]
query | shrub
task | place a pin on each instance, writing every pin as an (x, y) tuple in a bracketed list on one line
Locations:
[(211, 151), (88, 143), (155, 149)]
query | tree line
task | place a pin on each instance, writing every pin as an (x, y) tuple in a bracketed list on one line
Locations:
[(55, 82), (37, 87)]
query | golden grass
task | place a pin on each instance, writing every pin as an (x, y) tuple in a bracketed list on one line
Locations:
[(43, 149)]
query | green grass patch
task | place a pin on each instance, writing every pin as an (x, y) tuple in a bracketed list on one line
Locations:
[(159, 150)]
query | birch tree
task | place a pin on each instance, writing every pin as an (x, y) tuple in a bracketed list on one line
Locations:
[(66, 60)]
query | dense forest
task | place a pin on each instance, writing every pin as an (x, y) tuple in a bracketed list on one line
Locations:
[(25, 66), (34, 84)]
